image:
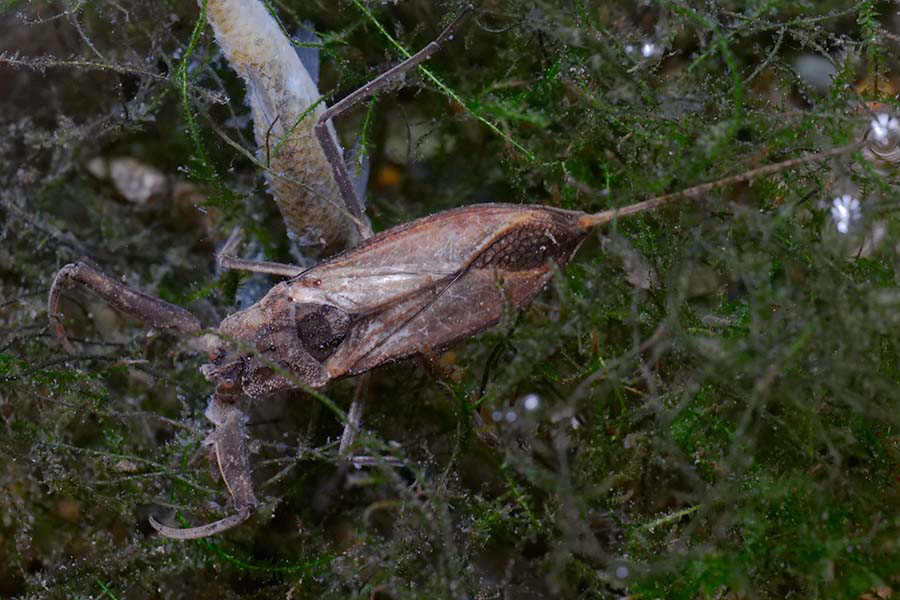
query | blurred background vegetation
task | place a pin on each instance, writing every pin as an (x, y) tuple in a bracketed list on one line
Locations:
[(704, 404)]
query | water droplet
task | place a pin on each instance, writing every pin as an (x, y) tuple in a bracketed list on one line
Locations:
[(844, 210), (531, 402)]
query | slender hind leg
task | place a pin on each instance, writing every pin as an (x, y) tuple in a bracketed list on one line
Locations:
[(345, 183), (354, 415), (158, 313), (327, 141)]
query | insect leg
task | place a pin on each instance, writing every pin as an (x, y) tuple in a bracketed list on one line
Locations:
[(158, 313), (345, 183), (328, 143), (229, 442), (354, 415), (193, 533), (228, 259)]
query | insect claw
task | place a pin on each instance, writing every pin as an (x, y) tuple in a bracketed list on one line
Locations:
[(202, 531), (59, 331)]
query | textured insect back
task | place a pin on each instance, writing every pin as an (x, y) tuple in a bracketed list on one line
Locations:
[(285, 104), (423, 285), (415, 288), (528, 246)]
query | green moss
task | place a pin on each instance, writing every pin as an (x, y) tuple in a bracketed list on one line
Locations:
[(717, 380)]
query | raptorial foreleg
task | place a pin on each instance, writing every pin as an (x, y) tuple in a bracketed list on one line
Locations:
[(229, 445), (154, 311)]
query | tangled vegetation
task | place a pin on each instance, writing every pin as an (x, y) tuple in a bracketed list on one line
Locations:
[(704, 404)]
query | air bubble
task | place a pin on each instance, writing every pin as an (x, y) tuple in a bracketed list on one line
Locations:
[(845, 210), (882, 126), (531, 402)]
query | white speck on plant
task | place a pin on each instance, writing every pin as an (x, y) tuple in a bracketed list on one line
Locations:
[(496, 416), (511, 416), (648, 49), (845, 210), (531, 402)]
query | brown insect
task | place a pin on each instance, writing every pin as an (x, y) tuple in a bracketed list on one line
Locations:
[(413, 289)]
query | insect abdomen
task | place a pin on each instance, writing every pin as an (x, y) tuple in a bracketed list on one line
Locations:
[(528, 246)]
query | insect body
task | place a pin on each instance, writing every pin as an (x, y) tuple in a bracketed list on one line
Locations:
[(415, 288)]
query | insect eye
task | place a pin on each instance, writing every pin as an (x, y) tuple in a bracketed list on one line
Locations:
[(322, 330)]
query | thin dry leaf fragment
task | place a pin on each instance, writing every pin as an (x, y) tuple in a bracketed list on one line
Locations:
[(881, 592), (413, 289), (146, 186), (126, 466), (872, 240), (281, 91)]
